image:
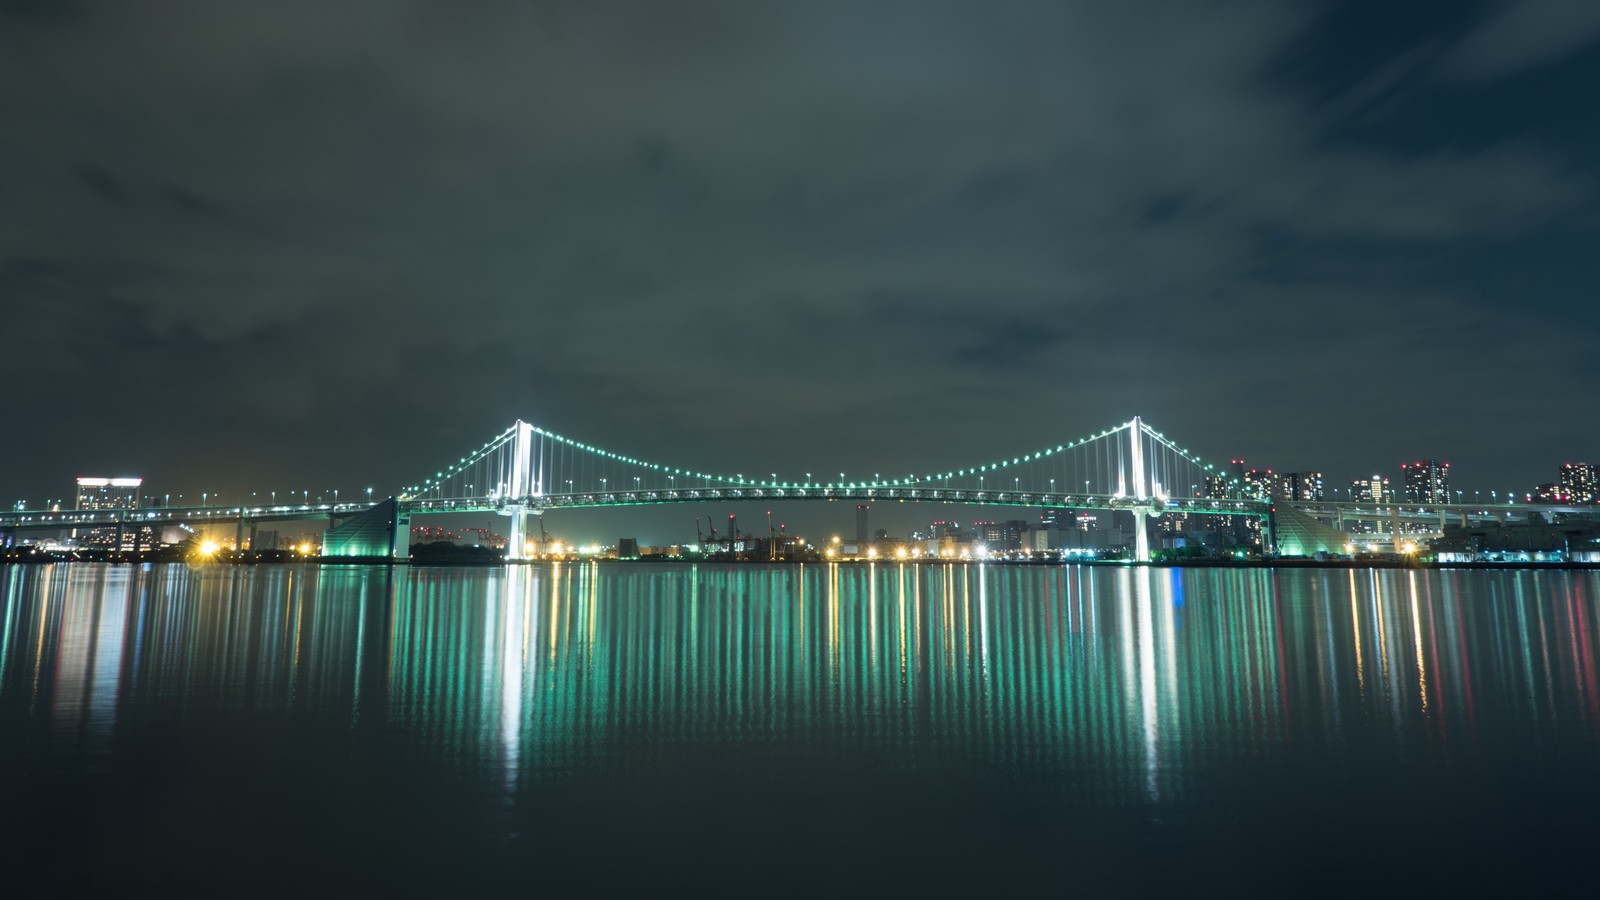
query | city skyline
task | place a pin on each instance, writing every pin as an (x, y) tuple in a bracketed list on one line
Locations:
[(1420, 483)]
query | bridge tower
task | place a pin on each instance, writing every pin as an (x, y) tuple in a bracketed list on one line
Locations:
[(1141, 511), (520, 491)]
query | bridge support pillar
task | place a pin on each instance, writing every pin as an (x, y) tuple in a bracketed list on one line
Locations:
[(517, 542), (399, 536)]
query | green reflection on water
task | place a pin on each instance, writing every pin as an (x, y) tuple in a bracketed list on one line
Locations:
[(1138, 677)]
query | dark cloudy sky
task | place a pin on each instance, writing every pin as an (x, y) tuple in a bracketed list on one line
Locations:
[(275, 245)]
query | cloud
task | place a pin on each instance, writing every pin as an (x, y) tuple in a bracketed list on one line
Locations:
[(1521, 35), (642, 223)]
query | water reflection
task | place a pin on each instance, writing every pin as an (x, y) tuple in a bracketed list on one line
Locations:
[(1130, 680)]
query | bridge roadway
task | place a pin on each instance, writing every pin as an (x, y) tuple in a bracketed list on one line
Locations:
[(1337, 511), (150, 517), (1032, 499)]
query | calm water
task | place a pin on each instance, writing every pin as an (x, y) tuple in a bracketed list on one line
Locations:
[(822, 730)]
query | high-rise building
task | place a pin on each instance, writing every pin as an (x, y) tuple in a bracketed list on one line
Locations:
[(1299, 486), (862, 534), (1215, 487), (108, 493), (1373, 489), (1426, 481), (1580, 482), (1258, 484), (1550, 492)]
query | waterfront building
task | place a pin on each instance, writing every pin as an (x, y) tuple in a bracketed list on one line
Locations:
[(1539, 541)]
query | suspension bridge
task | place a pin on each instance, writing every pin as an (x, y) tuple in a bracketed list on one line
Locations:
[(526, 470)]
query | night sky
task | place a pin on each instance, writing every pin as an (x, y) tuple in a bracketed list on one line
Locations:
[(251, 246)]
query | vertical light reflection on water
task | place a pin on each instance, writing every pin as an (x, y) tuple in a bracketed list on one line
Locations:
[(1416, 640), (13, 612), (1133, 677), (89, 662), (1581, 613)]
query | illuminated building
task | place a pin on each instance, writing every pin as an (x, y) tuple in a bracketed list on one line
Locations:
[(110, 493), (1299, 486), (1550, 492), (1258, 484), (1374, 489), (1427, 481), (1580, 482)]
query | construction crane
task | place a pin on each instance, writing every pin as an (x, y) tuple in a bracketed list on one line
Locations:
[(699, 539)]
